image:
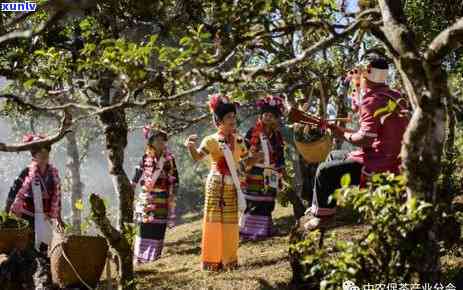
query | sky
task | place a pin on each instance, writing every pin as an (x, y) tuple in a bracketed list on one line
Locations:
[(351, 5)]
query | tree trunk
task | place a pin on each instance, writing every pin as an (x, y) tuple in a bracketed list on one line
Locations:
[(115, 131), (73, 166), (421, 151), (450, 154)]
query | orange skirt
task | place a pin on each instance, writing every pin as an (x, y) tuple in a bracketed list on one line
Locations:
[(220, 237)]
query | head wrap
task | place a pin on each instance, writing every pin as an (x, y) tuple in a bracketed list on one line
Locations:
[(377, 67), (220, 106), (151, 132), (272, 104), (30, 137)]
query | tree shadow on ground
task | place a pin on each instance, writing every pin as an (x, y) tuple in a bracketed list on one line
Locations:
[(148, 280), (195, 236), (190, 218), (186, 251), (185, 246), (153, 272), (264, 285), (263, 263)]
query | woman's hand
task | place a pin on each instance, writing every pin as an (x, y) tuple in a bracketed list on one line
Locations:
[(191, 141), (191, 144), (257, 157)]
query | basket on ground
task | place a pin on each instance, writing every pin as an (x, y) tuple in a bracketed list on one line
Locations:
[(14, 238), (85, 255)]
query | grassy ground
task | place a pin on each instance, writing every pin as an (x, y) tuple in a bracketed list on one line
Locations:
[(263, 264)]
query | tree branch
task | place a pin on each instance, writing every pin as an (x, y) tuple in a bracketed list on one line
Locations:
[(27, 105), (31, 32), (400, 38), (253, 71), (127, 104), (406, 57), (449, 39), (185, 120), (66, 122)]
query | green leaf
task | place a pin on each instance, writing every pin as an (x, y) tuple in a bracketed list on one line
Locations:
[(346, 180), (185, 40), (29, 84)]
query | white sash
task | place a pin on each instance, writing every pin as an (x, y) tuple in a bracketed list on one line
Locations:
[(234, 174), (142, 196), (270, 174), (263, 142), (42, 228)]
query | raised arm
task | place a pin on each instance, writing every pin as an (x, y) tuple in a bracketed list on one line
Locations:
[(196, 153)]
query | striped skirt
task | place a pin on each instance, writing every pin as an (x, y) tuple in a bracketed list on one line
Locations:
[(220, 235), (257, 219), (149, 241)]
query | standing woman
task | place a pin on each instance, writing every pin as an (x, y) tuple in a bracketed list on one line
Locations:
[(226, 149), (263, 179), (155, 207), (36, 197)]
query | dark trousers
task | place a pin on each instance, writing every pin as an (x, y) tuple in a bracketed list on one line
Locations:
[(42, 274), (328, 179)]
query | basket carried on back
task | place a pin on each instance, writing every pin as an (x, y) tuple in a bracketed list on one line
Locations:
[(82, 254), (315, 151), (14, 238)]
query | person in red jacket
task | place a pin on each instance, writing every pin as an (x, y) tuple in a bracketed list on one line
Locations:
[(36, 197), (379, 139), (39, 178)]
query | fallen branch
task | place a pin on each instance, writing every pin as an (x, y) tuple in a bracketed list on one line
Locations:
[(117, 241)]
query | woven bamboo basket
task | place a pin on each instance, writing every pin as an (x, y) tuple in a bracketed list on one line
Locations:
[(86, 254), (14, 238), (316, 151)]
